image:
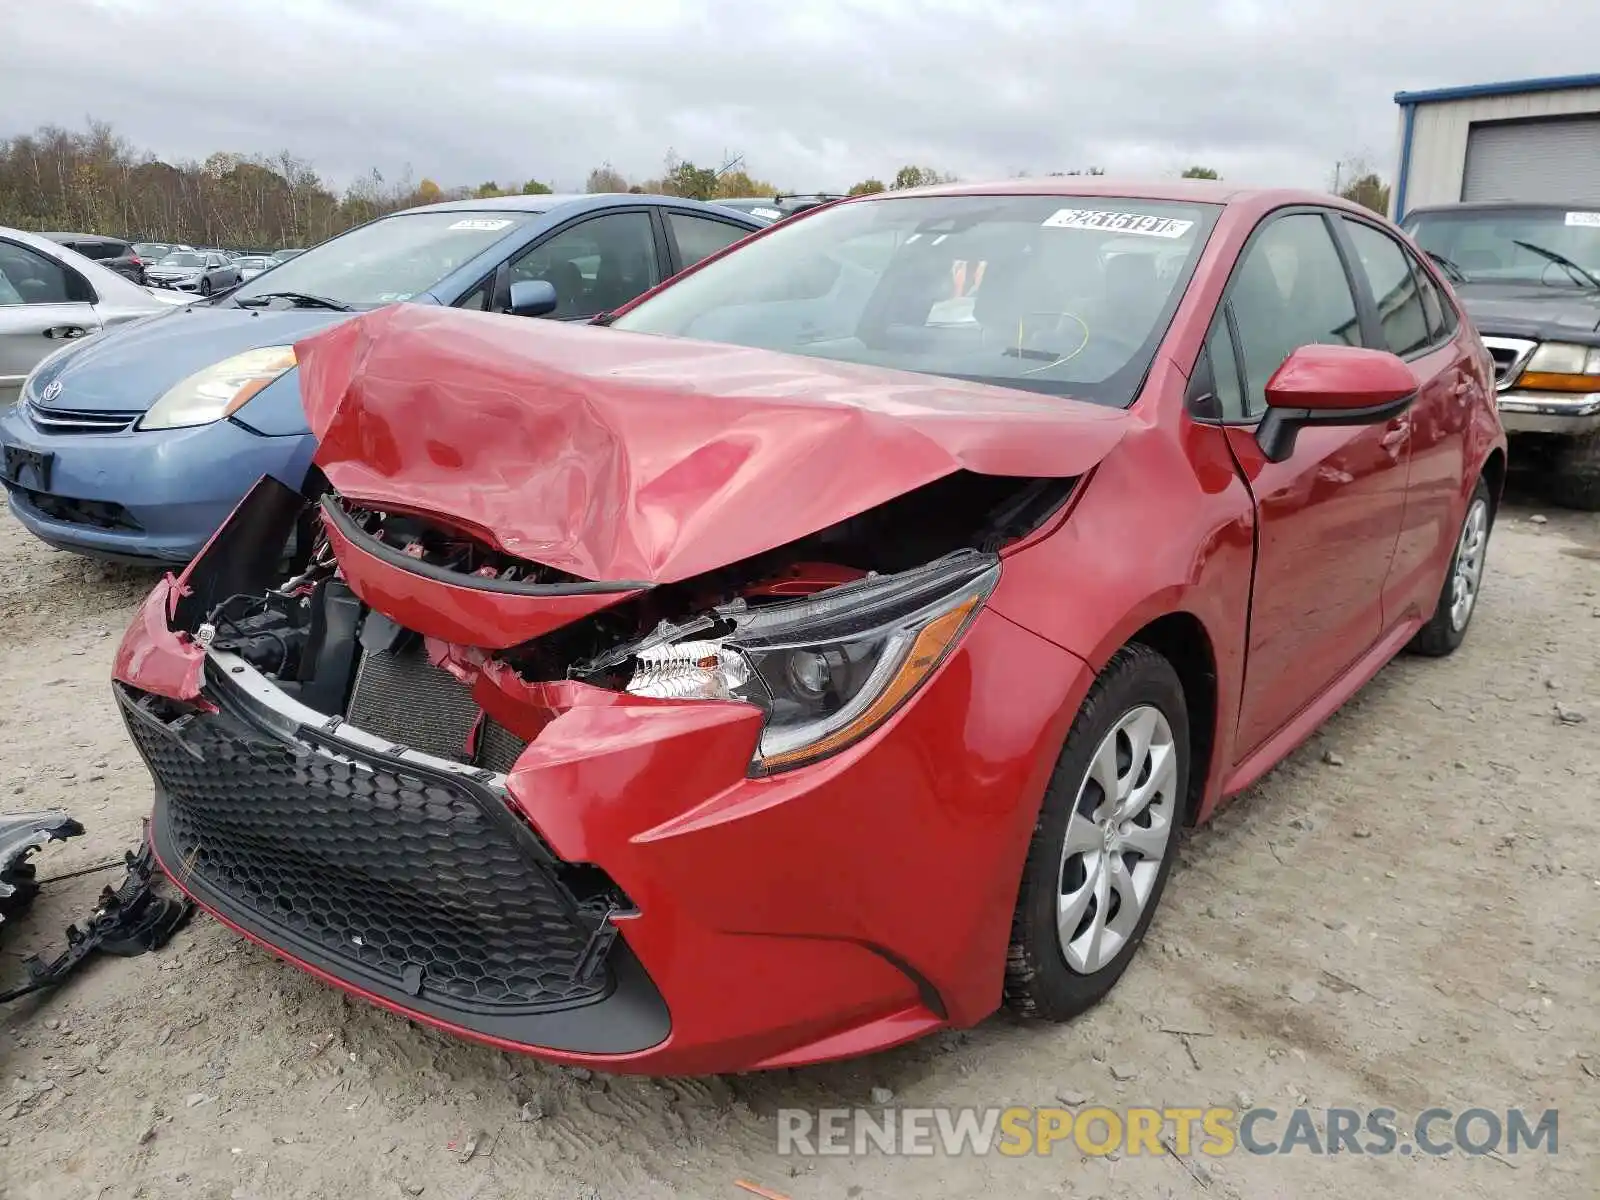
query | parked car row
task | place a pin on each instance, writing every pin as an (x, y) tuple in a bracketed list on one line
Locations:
[(788, 661), (182, 415), (170, 264)]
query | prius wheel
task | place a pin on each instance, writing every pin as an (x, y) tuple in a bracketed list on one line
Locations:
[(1458, 599), (1104, 842)]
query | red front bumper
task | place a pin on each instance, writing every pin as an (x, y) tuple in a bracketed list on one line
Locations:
[(828, 911)]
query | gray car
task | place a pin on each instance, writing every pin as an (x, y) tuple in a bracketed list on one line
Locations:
[(50, 295), (201, 271)]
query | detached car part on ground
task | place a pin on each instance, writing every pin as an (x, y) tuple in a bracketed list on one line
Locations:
[(672, 706), (1529, 277)]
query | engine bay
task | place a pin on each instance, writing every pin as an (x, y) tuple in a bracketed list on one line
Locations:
[(272, 591)]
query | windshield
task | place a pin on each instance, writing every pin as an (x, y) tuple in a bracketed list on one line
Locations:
[(182, 260), (150, 249), (1498, 245), (389, 260), (1066, 295), (250, 261)]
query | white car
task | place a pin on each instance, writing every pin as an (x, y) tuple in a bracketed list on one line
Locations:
[(50, 295)]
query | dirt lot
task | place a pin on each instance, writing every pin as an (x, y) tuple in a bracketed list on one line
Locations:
[(1406, 914)]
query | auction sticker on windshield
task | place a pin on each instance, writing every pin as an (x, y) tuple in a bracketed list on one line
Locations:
[(481, 224), (1117, 222), (1584, 218)]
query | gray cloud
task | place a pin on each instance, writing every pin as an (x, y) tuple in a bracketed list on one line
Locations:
[(816, 94)]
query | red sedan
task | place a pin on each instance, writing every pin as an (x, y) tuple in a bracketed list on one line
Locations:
[(831, 649)]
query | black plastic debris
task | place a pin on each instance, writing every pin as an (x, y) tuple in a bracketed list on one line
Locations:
[(20, 835), (128, 920)]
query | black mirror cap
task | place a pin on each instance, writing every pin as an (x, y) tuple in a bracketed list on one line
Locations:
[(533, 298)]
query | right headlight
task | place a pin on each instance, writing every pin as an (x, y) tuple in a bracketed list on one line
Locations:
[(828, 670), (219, 390), (1562, 367)]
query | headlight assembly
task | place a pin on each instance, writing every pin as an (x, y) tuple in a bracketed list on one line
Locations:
[(1562, 367), (826, 670), (219, 390)]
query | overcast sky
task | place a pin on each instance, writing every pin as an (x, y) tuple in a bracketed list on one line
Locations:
[(816, 93)]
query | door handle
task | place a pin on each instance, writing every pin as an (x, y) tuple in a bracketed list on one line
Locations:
[(1394, 438), (65, 332)]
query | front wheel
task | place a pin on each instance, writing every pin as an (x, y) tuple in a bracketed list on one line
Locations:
[(1458, 599), (205, 287), (1104, 841)]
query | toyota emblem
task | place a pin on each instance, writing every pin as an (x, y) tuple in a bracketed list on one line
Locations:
[(51, 392)]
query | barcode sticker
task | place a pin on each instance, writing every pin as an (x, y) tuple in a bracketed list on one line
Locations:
[(1118, 222), (1584, 218)]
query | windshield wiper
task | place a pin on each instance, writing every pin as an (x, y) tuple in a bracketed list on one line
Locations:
[(1452, 272), (1561, 260), (301, 300)]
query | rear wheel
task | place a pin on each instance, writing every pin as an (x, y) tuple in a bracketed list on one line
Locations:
[(1458, 599), (1575, 478), (1104, 841)]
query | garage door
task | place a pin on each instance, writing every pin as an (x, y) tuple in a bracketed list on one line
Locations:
[(1534, 160)]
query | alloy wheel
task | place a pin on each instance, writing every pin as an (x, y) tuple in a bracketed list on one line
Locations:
[(1117, 838), (1468, 575)]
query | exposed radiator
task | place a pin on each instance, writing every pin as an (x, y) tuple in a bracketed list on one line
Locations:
[(405, 698)]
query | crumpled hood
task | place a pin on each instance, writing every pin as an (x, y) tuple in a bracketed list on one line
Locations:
[(1525, 310), (618, 456), (127, 369)]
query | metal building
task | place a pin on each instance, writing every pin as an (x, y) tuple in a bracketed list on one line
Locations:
[(1535, 139)]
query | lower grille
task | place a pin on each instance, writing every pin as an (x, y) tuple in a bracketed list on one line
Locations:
[(416, 879), (97, 514)]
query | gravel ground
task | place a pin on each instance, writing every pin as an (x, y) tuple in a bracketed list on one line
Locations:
[(1405, 914)]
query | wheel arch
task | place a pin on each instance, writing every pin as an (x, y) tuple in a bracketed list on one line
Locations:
[(1494, 475), (1181, 638)]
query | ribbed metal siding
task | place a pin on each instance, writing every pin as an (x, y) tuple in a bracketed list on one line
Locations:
[(1533, 160)]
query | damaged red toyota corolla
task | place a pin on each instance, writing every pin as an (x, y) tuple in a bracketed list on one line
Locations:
[(837, 644)]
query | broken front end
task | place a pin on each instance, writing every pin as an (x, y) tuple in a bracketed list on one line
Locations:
[(745, 819)]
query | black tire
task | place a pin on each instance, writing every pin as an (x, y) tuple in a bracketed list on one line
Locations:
[(205, 287), (1440, 636), (1575, 474), (1040, 982)]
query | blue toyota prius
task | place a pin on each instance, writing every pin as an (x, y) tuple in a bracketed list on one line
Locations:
[(136, 443)]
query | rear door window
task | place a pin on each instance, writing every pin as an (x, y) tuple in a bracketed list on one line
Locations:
[(700, 237), (1394, 287)]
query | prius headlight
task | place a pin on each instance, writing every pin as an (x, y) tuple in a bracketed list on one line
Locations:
[(826, 670), (219, 390)]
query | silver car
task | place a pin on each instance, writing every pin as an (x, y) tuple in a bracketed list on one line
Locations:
[(251, 265), (201, 271), (50, 295)]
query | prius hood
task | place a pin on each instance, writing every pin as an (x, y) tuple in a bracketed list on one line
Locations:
[(129, 368), (621, 456)]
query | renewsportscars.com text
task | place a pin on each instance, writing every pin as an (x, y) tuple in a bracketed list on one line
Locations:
[(1135, 1130)]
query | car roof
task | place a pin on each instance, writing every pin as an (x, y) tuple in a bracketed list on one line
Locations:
[(573, 201), (1196, 191), (84, 237)]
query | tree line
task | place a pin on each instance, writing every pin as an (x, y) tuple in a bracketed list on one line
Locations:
[(95, 181)]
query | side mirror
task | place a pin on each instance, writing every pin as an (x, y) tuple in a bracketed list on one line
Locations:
[(1332, 385), (533, 298)]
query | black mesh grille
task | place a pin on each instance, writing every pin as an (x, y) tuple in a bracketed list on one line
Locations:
[(407, 874)]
